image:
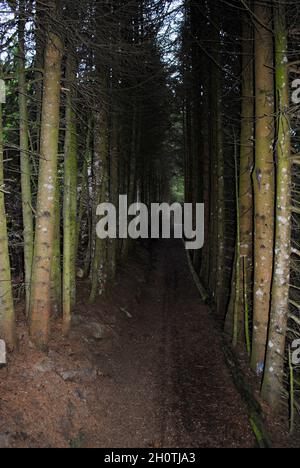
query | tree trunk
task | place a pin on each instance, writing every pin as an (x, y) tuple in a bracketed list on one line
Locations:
[(56, 276), (245, 192), (263, 178), (114, 190), (206, 171), (98, 266), (25, 160), (218, 157), (44, 236), (273, 378), (132, 156), (39, 66), (7, 314), (84, 195), (70, 199)]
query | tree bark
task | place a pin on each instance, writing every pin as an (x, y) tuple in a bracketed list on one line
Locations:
[(70, 198), (56, 276), (44, 236), (218, 166), (245, 191), (100, 173), (25, 160), (273, 377), (263, 179), (7, 314)]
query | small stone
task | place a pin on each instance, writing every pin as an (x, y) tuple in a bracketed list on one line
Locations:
[(44, 366), (97, 331), (81, 375), (80, 394)]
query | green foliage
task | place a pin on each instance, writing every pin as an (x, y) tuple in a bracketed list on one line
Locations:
[(177, 188)]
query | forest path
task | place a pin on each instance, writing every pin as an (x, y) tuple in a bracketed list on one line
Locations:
[(170, 386), (143, 367)]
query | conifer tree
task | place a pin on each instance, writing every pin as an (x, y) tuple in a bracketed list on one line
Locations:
[(40, 309), (273, 377), (25, 165), (263, 180), (7, 313)]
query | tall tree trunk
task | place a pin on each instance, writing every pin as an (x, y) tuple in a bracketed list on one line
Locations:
[(39, 66), (25, 159), (44, 236), (114, 185), (187, 106), (56, 276), (70, 199), (218, 157), (197, 69), (263, 178), (273, 377), (100, 169), (213, 227), (7, 314), (132, 156), (84, 195), (206, 170), (245, 192)]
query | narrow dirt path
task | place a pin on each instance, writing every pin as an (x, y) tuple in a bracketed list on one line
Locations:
[(169, 385), (142, 368)]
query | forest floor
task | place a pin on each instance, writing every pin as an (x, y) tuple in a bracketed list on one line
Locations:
[(143, 367)]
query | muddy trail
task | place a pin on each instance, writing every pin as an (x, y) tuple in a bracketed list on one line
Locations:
[(140, 369)]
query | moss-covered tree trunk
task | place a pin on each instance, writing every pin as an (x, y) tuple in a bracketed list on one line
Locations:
[(40, 19), (244, 254), (100, 191), (205, 148), (213, 227), (44, 235), (132, 166), (70, 198), (25, 159), (7, 314), (114, 191), (56, 273), (187, 107), (245, 175), (273, 377), (263, 178), (84, 194)]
